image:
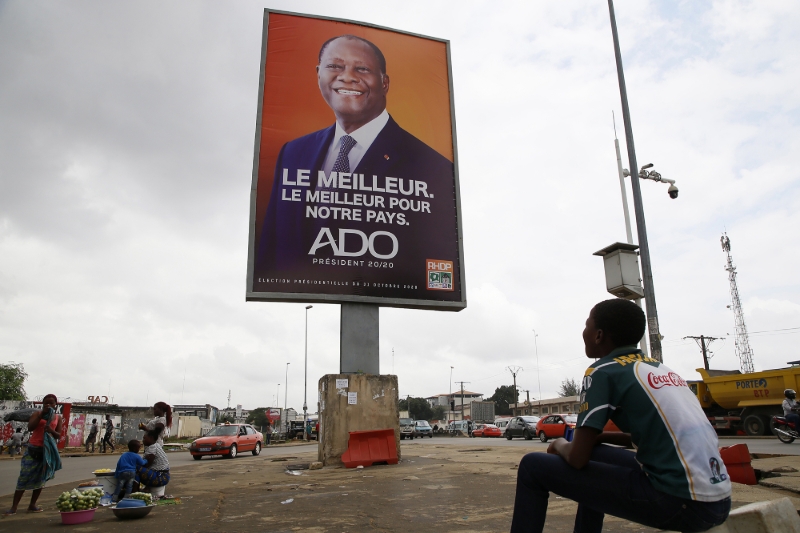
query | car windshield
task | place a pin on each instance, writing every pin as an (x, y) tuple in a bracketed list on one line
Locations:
[(572, 419), (223, 431), (423, 424), (530, 419), (489, 426), (406, 421)]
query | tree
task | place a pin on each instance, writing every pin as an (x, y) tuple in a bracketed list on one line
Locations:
[(569, 388), (258, 417), (418, 408), (12, 381), (503, 395), (439, 412)]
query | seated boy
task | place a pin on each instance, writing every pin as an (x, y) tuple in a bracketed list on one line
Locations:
[(675, 480), (126, 470), (155, 473)]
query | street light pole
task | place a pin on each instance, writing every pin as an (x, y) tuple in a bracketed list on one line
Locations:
[(641, 230), (278, 394), (538, 376), (285, 395), (305, 381), (450, 398)]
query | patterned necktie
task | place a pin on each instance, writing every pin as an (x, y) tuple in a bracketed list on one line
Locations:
[(342, 163)]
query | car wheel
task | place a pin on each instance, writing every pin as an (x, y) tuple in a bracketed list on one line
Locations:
[(508, 435), (402, 437), (431, 435), (542, 436), (257, 449), (527, 435), (233, 452), (197, 457)]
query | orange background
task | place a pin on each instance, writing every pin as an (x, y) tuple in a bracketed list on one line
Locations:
[(418, 98)]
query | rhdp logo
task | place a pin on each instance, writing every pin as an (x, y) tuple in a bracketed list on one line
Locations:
[(440, 275)]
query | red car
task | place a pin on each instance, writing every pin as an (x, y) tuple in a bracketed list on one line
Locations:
[(555, 426), (487, 430), (227, 440)]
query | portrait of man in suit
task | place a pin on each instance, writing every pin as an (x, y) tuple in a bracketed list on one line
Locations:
[(359, 192)]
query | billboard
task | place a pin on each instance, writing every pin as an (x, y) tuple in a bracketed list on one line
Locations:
[(355, 194)]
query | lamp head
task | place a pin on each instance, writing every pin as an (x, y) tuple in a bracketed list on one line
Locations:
[(648, 165)]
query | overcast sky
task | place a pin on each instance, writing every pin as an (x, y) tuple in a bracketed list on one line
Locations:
[(126, 149)]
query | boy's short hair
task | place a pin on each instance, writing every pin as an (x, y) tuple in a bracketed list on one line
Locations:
[(622, 320), (133, 445)]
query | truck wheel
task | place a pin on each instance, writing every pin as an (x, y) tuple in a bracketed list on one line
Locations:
[(754, 426)]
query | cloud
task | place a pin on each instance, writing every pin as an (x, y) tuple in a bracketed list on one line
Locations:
[(125, 168)]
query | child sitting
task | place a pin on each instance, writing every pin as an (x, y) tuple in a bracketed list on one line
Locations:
[(126, 470)]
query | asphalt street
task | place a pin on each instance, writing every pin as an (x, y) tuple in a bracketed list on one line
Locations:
[(80, 468)]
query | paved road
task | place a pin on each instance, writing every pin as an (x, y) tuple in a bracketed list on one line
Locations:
[(80, 468), (757, 445)]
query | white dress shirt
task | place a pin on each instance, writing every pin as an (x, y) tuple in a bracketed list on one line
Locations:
[(364, 137)]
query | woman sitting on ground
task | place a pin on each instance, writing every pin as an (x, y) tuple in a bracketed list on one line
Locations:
[(156, 472)]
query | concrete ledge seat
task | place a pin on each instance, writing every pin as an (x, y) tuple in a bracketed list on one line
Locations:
[(776, 516)]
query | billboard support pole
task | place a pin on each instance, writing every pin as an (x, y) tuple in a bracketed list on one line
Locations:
[(358, 344)]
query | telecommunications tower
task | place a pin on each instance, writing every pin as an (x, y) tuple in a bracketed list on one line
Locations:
[(742, 342)]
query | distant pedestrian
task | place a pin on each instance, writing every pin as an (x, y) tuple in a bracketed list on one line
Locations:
[(15, 442), (40, 460), (268, 433), (308, 430), (108, 438), (92, 438), (162, 419), (126, 470)]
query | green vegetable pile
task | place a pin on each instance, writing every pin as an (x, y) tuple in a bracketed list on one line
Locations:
[(76, 500), (144, 496)]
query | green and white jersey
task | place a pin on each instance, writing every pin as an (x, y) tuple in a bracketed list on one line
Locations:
[(675, 443)]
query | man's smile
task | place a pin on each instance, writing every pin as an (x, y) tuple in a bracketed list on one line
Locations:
[(348, 92)]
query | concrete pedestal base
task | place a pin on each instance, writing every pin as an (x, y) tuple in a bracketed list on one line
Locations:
[(354, 402)]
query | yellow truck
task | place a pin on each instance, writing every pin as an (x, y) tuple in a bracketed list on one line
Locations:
[(744, 402)]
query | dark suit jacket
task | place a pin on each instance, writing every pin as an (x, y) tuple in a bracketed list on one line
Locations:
[(287, 235)]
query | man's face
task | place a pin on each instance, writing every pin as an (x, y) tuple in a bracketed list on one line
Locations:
[(591, 336), (351, 82)]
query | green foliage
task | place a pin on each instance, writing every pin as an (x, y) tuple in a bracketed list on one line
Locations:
[(569, 388), (418, 408), (228, 419), (503, 395), (439, 412), (12, 381), (258, 418)]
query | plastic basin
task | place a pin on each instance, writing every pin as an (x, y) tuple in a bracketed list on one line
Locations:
[(77, 517), (132, 512)]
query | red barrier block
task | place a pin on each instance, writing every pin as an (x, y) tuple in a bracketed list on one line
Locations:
[(365, 448), (737, 462)]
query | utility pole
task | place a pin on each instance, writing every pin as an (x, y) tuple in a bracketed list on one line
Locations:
[(229, 399), (704, 342), (638, 208), (514, 371), (462, 397)]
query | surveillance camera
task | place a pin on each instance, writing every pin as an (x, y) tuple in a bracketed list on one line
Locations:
[(673, 191)]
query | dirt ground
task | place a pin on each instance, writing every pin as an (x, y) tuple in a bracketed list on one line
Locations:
[(434, 486)]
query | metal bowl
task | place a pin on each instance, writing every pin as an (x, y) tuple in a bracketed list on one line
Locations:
[(132, 512)]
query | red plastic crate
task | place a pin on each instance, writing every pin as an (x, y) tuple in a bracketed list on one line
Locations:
[(365, 448)]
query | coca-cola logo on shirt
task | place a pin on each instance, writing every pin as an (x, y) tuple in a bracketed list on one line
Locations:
[(656, 381)]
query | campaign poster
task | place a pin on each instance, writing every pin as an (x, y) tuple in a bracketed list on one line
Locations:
[(355, 194)]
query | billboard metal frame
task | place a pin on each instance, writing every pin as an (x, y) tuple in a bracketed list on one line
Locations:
[(410, 303)]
